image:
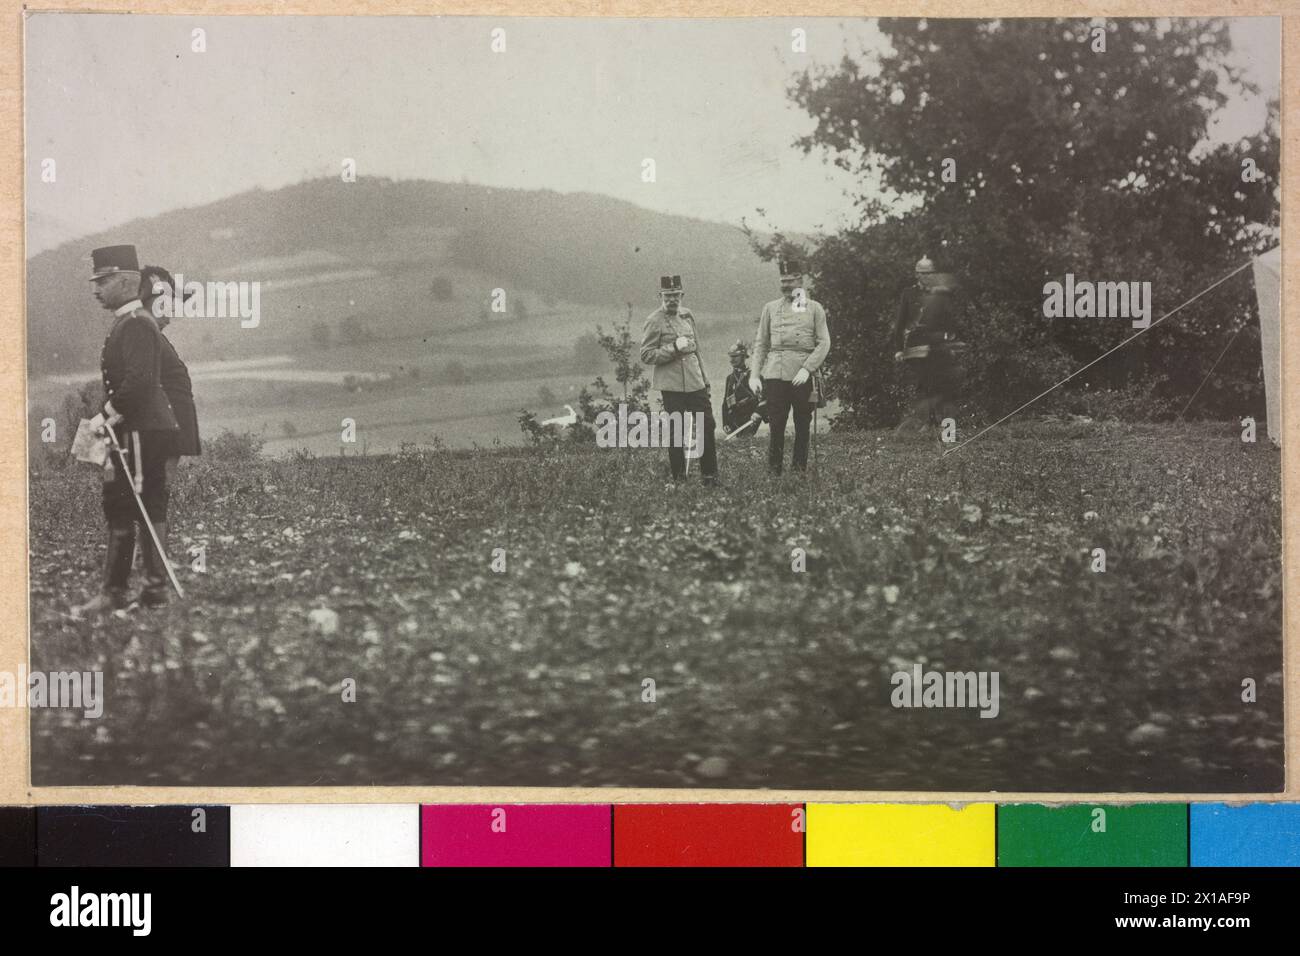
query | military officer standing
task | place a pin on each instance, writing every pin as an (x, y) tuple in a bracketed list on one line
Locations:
[(791, 345), (136, 407), (670, 344)]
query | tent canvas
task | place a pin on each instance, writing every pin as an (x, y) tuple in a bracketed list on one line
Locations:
[(1268, 293)]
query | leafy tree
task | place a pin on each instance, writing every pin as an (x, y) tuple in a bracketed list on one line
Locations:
[(1066, 159), (624, 351)]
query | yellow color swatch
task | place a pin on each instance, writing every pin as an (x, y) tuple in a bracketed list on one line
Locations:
[(901, 834)]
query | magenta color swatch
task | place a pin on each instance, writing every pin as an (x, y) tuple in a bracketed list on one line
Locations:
[(516, 835)]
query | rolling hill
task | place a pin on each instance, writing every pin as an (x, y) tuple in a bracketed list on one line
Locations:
[(375, 306), (326, 251)]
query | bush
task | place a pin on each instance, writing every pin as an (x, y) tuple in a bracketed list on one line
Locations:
[(85, 402), (532, 428), (1138, 402), (234, 446)]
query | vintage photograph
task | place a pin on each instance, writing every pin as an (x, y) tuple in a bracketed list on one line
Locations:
[(770, 403)]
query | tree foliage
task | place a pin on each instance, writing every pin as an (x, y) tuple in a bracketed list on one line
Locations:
[(1067, 159)]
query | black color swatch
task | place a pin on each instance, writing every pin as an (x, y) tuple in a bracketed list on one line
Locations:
[(133, 836), (17, 836)]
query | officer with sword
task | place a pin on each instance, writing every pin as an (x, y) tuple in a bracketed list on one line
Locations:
[(670, 343), (138, 424), (742, 410)]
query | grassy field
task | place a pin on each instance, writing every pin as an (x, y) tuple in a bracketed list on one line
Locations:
[(506, 363), (1129, 679)]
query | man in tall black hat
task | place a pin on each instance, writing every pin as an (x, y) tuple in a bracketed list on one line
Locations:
[(669, 343), (136, 408), (792, 343)]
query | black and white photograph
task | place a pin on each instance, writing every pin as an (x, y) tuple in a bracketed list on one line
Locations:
[(811, 404)]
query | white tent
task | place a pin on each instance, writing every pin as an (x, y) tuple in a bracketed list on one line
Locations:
[(1268, 292)]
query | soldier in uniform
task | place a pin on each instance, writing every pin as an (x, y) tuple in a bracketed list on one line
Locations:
[(669, 343), (740, 405), (156, 292), (792, 343), (136, 407), (925, 336)]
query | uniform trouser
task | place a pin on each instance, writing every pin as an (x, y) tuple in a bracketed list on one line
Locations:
[(693, 402), (782, 396), (146, 464), (937, 382)]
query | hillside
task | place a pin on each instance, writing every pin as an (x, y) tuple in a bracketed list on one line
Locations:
[(327, 251)]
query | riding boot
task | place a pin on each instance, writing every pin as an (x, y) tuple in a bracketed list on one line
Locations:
[(154, 593), (117, 574)]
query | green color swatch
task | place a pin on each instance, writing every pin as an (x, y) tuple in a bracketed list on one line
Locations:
[(1147, 834)]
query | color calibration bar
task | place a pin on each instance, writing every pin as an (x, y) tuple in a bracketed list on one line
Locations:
[(655, 835)]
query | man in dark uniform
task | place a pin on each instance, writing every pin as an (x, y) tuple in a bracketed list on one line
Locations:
[(669, 342), (740, 405), (157, 293), (136, 407), (925, 336)]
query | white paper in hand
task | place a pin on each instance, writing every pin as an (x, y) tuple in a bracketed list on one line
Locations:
[(89, 444)]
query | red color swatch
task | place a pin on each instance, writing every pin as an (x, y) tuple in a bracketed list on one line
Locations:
[(695, 834)]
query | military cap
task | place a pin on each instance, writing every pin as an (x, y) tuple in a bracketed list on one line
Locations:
[(107, 260), (670, 283), (791, 269)]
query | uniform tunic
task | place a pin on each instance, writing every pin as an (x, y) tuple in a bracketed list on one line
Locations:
[(738, 402), (130, 364), (175, 380), (681, 380), (789, 339), (674, 371)]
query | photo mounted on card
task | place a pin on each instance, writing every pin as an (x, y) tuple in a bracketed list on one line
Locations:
[(799, 404)]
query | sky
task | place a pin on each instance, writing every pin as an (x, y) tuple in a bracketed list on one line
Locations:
[(138, 124)]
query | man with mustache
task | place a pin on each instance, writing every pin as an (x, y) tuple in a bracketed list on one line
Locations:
[(670, 344), (137, 409), (791, 344)]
